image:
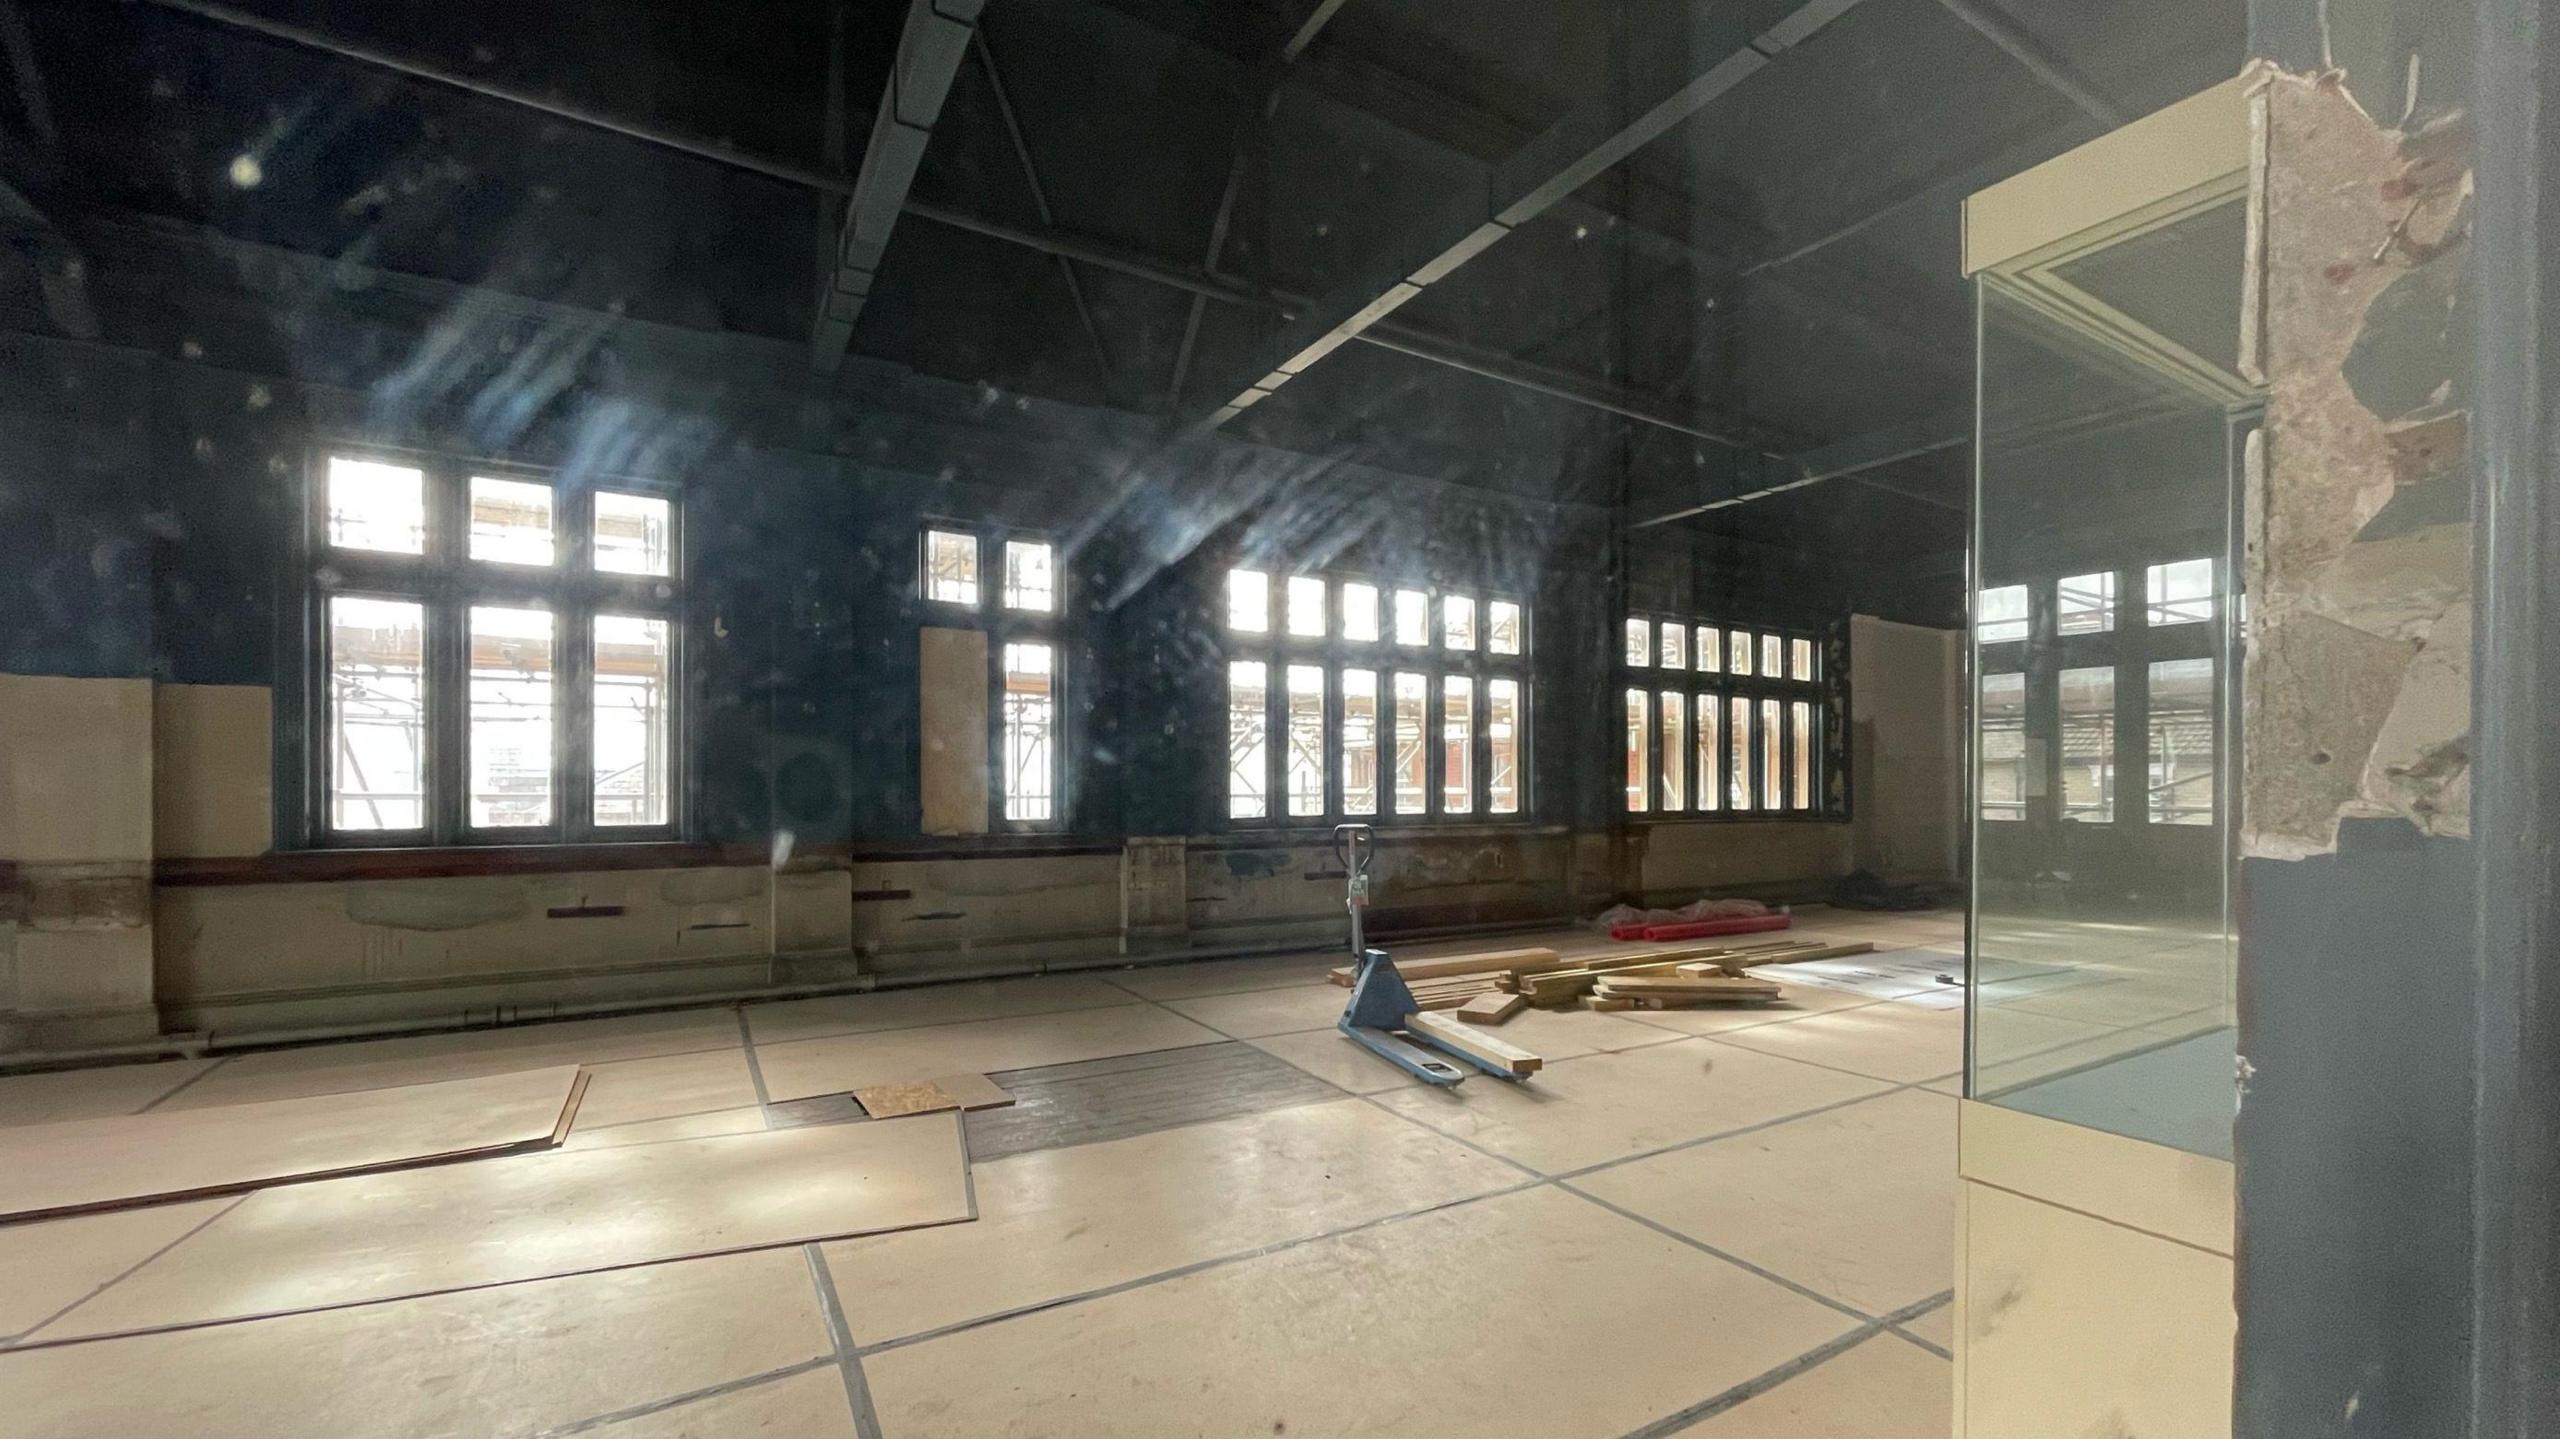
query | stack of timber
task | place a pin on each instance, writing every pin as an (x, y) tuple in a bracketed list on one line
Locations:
[(1543, 978), (1656, 991)]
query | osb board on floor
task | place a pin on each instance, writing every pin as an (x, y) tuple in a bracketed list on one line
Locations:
[(517, 1360), (806, 1068), (414, 1232), (1396, 1328), (88, 1164), (930, 1096), (1883, 1388), (1062, 1222), (1072, 1104)]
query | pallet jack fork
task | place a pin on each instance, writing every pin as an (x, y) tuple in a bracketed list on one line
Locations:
[(1380, 1004)]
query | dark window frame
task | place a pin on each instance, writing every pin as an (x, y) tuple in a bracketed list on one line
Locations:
[(1655, 679), (1005, 625)]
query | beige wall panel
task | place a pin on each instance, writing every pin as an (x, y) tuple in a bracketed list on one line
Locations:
[(1907, 746), (1683, 857), (2169, 1192), (951, 708), (2195, 142), (213, 754), (75, 768), (2072, 1325), (1289, 883), (994, 900), (222, 941), (813, 913), (84, 971)]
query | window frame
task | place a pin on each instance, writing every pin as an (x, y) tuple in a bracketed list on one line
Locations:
[(1720, 687), (1386, 657), (1005, 625), (446, 582)]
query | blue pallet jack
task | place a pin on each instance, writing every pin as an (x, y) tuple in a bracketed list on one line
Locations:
[(1380, 1004)]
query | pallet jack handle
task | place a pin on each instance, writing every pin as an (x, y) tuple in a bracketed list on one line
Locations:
[(1355, 845)]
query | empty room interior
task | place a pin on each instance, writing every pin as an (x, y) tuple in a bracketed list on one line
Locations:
[(1580, 719)]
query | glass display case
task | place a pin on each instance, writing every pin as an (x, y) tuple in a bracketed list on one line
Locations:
[(2114, 421)]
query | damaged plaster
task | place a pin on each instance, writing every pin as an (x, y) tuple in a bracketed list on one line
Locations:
[(2358, 557)]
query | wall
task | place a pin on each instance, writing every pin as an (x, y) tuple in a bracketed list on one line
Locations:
[(1907, 737), (154, 867)]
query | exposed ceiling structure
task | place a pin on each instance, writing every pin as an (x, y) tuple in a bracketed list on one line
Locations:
[(1696, 260)]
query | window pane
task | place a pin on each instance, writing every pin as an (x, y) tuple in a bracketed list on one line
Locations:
[(1030, 577), (1306, 608), (1800, 773), (1248, 744), (377, 714), (1457, 744), (2004, 746), (1412, 776), (1639, 643), (1771, 795), (1710, 652), (1029, 770), (1458, 621), (510, 521), (635, 535), (374, 506), (1359, 741), (1773, 656), (2089, 745), (2085, 604), (1737, 653), (1737, 769), (1303, 764), (2181, 748), (1710, 793), (1249, 601), (1502, 628), (633, 716), (1800, 660), (1413, 617), (1502, 740), (1675, 745), (2000, 614), (2179, 593), (511, 729), (1360, 612), (951, 567), (1639, 751), (1675, 647)]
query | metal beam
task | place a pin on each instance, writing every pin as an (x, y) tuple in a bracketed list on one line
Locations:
[(22, 62), (1851, 459), (1307, 33), (1568, 156), (2039, 60), (1040, 202), (930, 48)]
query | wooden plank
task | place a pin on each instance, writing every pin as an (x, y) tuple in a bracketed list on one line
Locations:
[(1500, 961), (1800, 956), (77, 1166), (889, 1101), (1449, 1034), (973, 1091), (1687, 984), (951, 699), (1491, 1008)]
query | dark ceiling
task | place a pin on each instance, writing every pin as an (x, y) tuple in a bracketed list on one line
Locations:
[(1778, 271)]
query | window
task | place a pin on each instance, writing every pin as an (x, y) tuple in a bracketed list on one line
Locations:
[(2085, 604), (495, 658), (1248, 746), (2003, 786), (1359, 742), (2000, 615), (1306, 607), (951, 567), (1027, 775), (1639, 752), (2179, 593), (1333, 733), (1026, 662), (2089, 744), (1030, 576), (2181, 748), (1732, 726)]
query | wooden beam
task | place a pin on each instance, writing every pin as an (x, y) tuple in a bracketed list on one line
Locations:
[(1492, 1008), (1449, 1034)]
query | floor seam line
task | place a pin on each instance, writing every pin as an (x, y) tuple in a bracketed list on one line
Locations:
[(755, 1069), (1758, 1384), (690, 1396), (181, 1086), (1703, 1247), (2093, 1214), (1898, 1332), (137, 1267), (848, 1357), (930, 1024)]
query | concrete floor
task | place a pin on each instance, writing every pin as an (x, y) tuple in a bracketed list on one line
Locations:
[(1705, 1222)]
